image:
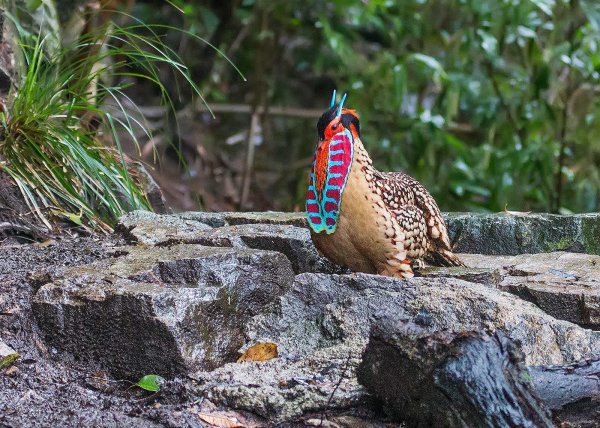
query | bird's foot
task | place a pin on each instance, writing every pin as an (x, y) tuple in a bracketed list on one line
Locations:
[(399, 269), (418, 264)]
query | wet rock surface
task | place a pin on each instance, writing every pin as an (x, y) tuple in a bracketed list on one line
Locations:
[(280, 233), (449, 379), (183, 295), (564, 285)]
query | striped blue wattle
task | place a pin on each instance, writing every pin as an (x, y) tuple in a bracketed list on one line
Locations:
[(328, 176)]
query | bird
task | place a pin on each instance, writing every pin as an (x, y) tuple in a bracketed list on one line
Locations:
[(384, 223)]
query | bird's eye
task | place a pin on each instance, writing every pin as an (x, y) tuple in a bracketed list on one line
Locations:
[(334, 127)]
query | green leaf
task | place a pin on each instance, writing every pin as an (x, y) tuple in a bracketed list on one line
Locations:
[(545, 5), (488, 42), (33, 4), (150, 382), (431, 63), (592, 11), (8, 360)]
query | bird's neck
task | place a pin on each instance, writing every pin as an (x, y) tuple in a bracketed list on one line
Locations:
[(361, 157)]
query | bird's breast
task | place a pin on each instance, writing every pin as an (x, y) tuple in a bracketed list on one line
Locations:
[(329, 174)]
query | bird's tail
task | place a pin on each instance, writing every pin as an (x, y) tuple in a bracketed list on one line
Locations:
[(443, 257)]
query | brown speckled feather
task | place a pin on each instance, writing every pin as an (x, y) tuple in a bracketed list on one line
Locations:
[(405, 190)]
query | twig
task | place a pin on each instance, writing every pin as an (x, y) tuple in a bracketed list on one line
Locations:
[(249, 160), (509, 114), (346, 365), (558, 179)]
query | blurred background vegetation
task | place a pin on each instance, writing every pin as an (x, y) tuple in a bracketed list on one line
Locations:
[(492, 104)]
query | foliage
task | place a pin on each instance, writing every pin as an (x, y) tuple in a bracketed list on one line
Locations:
[(51, 146), (150, 382), (490, 103)]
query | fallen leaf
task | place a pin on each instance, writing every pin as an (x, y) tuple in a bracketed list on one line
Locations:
[(220, 421), (150, 382), (11, 370), (260, 352), (73, 218), (46, 243)]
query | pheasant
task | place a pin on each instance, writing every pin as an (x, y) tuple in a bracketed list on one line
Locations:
[(370, 221)]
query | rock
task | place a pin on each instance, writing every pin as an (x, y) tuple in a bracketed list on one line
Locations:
[(268, 217), (292, 241), (5, 350), (493, 234), (523, 234), (571, 392), (325, 310), (238, 218), (148, 228), (192, 228), (160, 310), (488, 277), (208, 218), (324, 321), (449, 379), (564, 285), (286, 388)]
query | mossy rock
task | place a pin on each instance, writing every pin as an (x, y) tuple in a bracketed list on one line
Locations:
[(506, 234)]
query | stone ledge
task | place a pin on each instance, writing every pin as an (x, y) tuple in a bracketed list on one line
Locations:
[(506, 234), (493, 234), (160, 310), (564, 285)]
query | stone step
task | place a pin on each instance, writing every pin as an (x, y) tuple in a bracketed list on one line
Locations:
[(159, 310), (564, 285)]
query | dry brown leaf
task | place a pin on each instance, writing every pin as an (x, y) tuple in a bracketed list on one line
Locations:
[(260, 352), (220, 421)]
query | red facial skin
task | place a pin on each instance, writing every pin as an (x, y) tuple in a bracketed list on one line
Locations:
[(322, 155)]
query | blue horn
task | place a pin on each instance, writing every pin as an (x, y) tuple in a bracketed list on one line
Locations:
[(339, 112), (332, 100)]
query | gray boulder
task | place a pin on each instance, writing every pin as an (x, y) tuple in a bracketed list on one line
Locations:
[(564, 285), (160, 310), (322, 324), (145, 227), (508, 234), (326, 310), (197, 228), (449, 379)]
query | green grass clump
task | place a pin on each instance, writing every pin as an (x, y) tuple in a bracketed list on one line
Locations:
[(64, 167)]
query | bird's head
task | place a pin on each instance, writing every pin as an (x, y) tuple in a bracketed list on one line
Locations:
[(336, 120), (338, 128)]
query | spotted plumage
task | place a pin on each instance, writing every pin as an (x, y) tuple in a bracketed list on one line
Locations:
[(375, 222)]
